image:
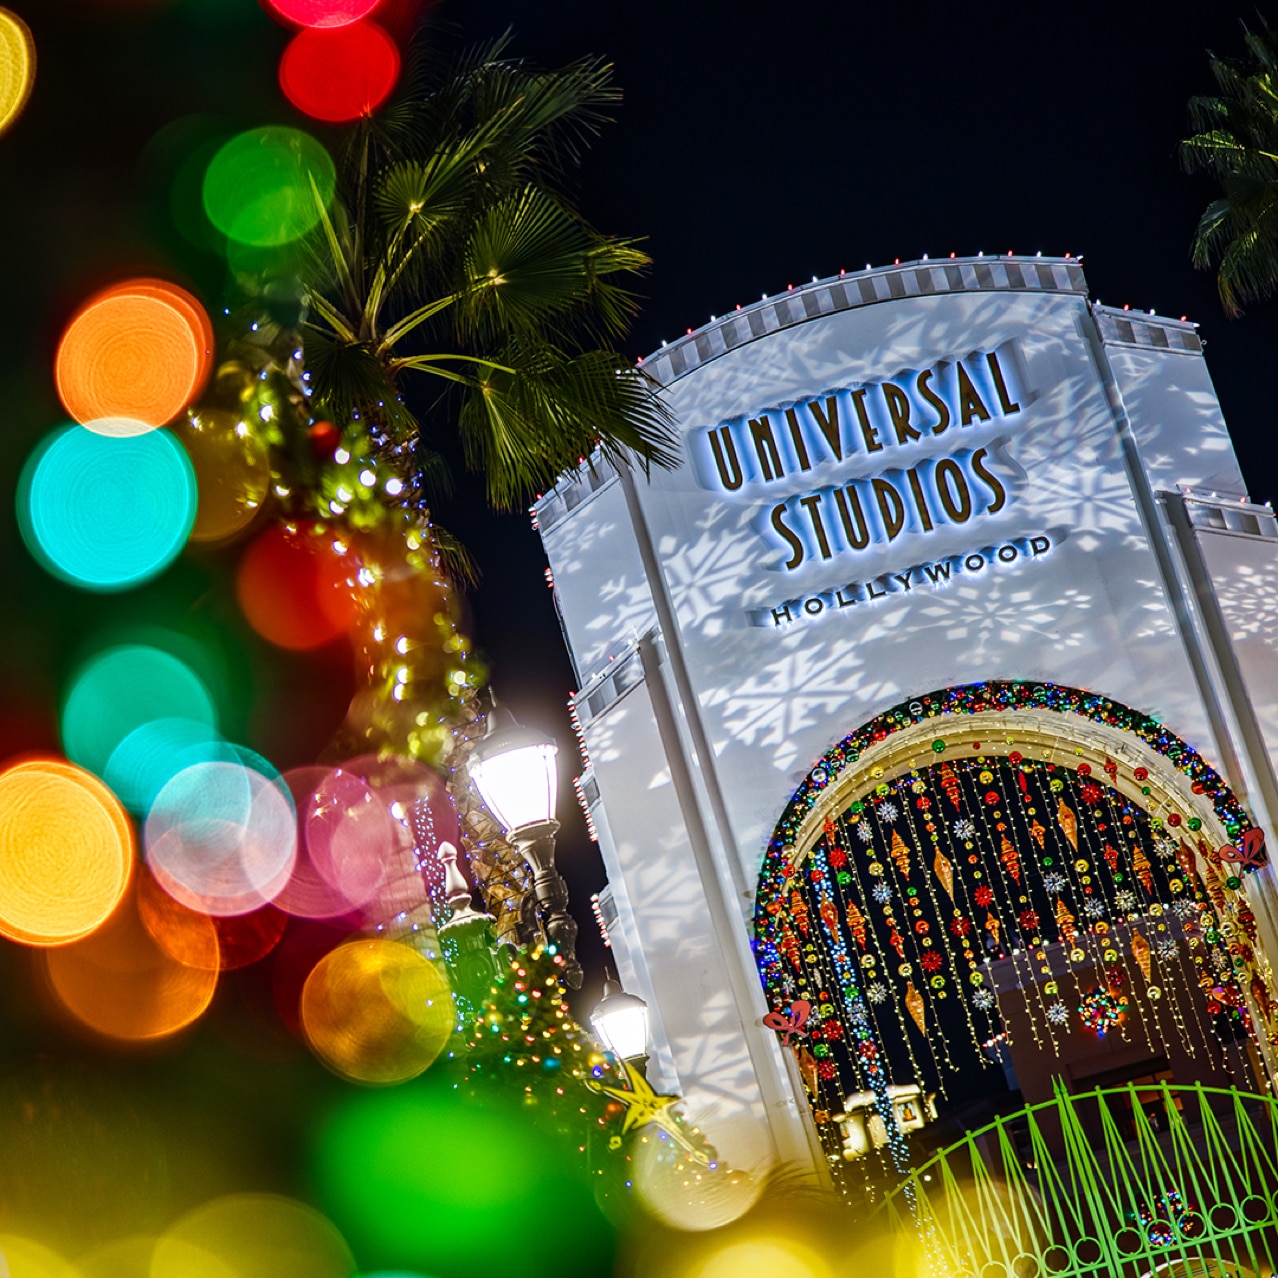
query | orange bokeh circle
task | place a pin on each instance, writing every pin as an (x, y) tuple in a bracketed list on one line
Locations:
[(66, 852), (185, 935), (120, 983), (140, 350)]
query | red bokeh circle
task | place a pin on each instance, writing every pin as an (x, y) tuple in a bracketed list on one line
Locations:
[(323, 13), (293, 588), (339, 74)]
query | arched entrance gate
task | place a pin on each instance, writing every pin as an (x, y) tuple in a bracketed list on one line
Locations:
[(996, 886)]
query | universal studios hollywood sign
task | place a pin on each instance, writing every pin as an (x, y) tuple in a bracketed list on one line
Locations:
[(783, 451)]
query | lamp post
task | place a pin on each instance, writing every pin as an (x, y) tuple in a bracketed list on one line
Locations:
[(515, 772), (621, 1021)]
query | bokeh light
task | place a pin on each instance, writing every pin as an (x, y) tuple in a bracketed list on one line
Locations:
[(477, 1172), (268, 186), (66, 852), (308, 894), (685, 1194), (17, 66), (121, 1258), (145, 760), (348, 829), (187, 936), (27, 1258), (141, 350), (124, 689), (766, 1257), (118, 427), (221, 838), (252, 1236), (121, 984), (106, 513), (376, 1011), (323, 13), (292, 588), (232, 471), (341, 73), (243, 939)]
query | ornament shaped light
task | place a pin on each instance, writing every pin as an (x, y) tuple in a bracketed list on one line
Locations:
[(621, 1021)]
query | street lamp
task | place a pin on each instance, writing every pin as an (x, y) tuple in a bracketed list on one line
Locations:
[(514, 770), (621, 1021)]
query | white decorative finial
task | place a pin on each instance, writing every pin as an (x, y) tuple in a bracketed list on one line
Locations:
[(460, 903), (455, 888)]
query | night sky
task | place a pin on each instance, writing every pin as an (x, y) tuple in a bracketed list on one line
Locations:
[(757, 146)]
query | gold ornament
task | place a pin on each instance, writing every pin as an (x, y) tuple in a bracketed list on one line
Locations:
[(900, 853), (1068, 822), (1065, 921), (914, 1005), (944, 871), (1141, 952)]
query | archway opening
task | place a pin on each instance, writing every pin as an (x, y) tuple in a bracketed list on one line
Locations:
[(993, 888)]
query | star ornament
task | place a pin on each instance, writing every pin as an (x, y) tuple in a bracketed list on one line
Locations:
[(643, 1104)]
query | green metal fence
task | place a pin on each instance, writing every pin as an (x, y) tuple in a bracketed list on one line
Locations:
[(1163, 1180)]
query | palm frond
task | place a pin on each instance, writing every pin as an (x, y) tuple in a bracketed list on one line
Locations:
[(456, 562), (1236, 143), (452, 252), (524, 266), (522, 431)]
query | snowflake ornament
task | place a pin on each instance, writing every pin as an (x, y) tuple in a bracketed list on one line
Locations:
[(1094, 907), (888, 811), (865, 831), (1165, 947), (1165, 849), (964, 828), (1183, 907), (876, 992), (881, 892), (984, 999), (1055, 882), (1125, 901), (1057, 1013)]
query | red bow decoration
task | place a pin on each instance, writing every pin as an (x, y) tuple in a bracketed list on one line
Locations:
[(1252, 852), (789, 1026)]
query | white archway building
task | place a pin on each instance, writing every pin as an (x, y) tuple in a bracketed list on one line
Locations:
[(928, 476)]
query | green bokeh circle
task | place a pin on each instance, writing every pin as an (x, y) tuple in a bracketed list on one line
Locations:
[(419, 1178), (124, 689), (258, 187)]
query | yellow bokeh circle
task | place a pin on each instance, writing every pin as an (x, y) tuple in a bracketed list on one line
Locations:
[(232, 469), (26, 1258), (252, 1236), (767, 1257), (66, 852), (376, 1011), (17, 66)]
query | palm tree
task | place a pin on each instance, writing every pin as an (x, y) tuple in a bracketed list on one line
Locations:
[(452, 252), (1236, 141)]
